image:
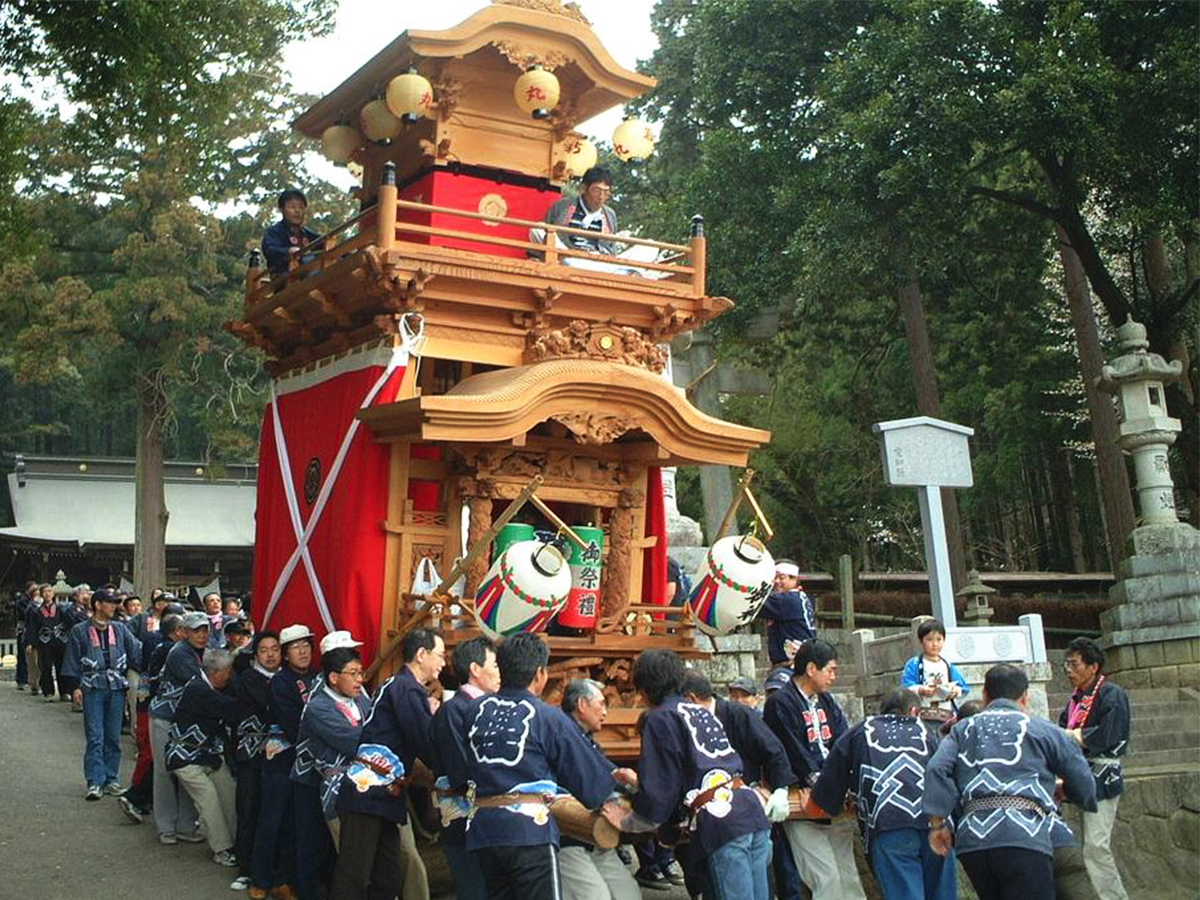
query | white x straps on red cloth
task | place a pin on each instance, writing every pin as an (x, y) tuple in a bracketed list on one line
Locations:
[(304, 530)]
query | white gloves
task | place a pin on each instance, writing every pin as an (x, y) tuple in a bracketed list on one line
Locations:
[(777, 805)]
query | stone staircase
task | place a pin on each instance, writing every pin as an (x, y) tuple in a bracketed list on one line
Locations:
[(1165, 731)]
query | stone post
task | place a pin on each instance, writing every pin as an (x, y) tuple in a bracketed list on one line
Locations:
[(1152, 634)]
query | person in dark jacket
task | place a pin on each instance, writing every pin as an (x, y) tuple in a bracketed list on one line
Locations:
[(197, 747), (48, 632), (790, 614), (20, 611), (285, 238), (175, 815), (139, 799), (1097, 719), (996, 772), (478, 674), (882, 762), (252, 687), (371, 802), (589, 211), (690, 775), (518, 745), (281, 816), (807, 720), (588, 872), (99, 652)]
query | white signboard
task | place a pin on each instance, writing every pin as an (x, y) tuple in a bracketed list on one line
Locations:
[(926, 452)]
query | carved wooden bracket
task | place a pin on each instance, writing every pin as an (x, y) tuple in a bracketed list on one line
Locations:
[(589, 428), (330, 308), (406, 299), (446, 90), (431, 152), (544, 300), (252, 336)]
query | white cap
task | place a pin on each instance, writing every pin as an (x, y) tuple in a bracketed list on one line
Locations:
[(787, 568), (335, 640), (294, 633)]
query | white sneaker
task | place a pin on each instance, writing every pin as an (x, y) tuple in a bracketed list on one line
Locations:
[(225, 858), (168, 839), (240, 883)]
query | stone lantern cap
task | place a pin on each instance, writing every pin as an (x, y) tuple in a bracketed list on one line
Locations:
[(974, 586), (61, 588), (1137, 363)]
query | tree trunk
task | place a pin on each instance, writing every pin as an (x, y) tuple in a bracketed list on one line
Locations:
[(1062, 474), (150, 505), (929, 403), (1113, 475)]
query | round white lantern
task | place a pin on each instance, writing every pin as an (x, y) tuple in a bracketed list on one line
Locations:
[(410, 96), (523, 590), (731, 584), (338, 142), (579, 154), (537, 92), (378, 123), (633, 139)]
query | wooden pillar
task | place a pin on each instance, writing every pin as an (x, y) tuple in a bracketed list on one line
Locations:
[(480, 506), (614, 594), (385, 218)]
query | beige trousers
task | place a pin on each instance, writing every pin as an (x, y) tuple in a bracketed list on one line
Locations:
[(35, 667), (1097, 854), (134, 678), (824, 857), (412, 867), (595, 875), (215, 796)]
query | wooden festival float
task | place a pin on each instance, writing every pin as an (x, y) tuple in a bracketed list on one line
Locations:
[(433, 368)]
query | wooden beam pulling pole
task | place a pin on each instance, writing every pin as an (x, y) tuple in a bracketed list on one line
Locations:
[(435, 601), (741, 493)]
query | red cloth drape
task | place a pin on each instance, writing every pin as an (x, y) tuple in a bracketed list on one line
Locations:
[(654, 560), (348, 545)]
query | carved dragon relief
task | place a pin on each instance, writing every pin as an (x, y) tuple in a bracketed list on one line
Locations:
[(523, 57), (603, 341), (555, 465), (590, 428)]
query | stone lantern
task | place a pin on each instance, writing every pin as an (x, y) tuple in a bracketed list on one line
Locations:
[(1137, 378), (62, 590), (1152, 632), (979, 610)]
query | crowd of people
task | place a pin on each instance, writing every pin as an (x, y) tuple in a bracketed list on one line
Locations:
[(297, 776)]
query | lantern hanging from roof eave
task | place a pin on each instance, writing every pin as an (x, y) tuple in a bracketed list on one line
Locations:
[(579, 154), (537, 92), (378, 123), (339, 142), (633, 139), (410, 96)]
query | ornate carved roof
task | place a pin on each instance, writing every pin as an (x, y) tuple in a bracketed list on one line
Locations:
[(598, 402)]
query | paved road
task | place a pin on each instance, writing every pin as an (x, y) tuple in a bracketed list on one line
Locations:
[(56, 846)]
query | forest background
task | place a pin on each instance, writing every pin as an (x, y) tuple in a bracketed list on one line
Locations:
[(946, 206)]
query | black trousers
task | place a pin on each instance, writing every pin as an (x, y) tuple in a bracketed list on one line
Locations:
[(50, 659), (249, 792), (521, 873), (1010, 873), (368, 866)]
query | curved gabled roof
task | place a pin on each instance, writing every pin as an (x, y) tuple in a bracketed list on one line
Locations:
[(505, 404), (499, 23)]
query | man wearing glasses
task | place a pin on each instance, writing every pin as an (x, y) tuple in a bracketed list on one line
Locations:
[(589, 211), (1097, 718)]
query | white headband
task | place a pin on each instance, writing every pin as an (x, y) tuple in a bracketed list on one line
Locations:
[(787, 569)]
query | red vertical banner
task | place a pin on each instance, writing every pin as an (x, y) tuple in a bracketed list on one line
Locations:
[(654, 559)]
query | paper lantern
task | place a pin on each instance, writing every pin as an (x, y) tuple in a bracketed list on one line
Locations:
[(338, 142), (584, 600), (579, 154), (378, 123), (633, 139), (731, 584), (526, 586), (536, 92), (410, 96)]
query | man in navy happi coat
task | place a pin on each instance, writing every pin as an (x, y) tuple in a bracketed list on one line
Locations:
[(478, 674), (882, 762), (1097, 718), (790, 614), (99, 651), (690, 776), (369, 844), (996, 772), (807, 720), (519, 751)]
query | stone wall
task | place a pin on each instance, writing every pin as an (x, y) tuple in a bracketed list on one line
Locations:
[(733, 656), (1168, 663)]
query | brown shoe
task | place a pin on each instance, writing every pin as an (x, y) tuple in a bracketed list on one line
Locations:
[(256, 893), (283, 892)]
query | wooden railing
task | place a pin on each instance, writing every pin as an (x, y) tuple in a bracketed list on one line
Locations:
[(383, 226)]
